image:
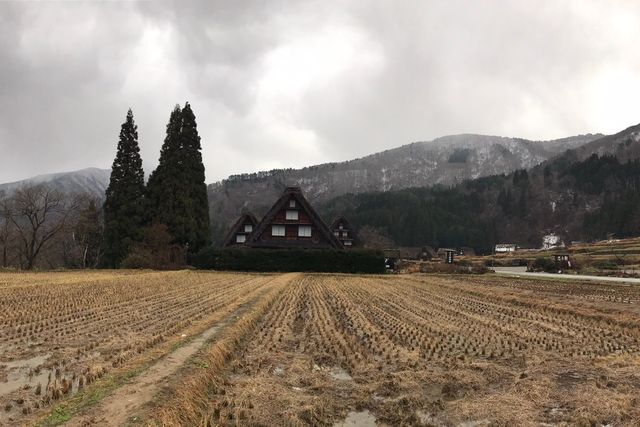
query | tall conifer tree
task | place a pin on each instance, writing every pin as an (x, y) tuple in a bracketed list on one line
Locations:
[(198, 231), (124, 204), (166, 183), (177, 193)]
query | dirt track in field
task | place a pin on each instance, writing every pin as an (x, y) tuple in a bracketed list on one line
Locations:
[(118, 408), (321, 349), (430, 351), (61, 332)]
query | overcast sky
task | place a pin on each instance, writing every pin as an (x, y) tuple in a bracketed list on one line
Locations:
[(295, 83)]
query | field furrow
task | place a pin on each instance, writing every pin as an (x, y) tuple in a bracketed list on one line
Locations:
[(317, 349)]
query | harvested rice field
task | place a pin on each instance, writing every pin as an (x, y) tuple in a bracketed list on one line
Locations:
[(211, 348)]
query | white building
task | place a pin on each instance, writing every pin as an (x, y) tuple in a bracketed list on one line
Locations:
[(551, 241), (505, 248)]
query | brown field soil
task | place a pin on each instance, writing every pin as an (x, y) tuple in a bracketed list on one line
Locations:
[(62, 332), (312, 349)]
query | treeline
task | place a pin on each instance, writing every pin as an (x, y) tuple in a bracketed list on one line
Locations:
[(580, 200), (156, 225), (164, 222), (308, 260), (40, 226), (167, 218)]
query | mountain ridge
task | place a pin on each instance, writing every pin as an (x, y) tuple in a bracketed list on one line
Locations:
[(586, 193), (88, 180), (447, 160)]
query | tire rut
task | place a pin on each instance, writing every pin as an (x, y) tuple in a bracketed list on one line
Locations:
[(118, 407)]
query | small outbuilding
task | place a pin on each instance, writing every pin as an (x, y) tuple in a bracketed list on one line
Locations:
[(239, 233), (562, 260), (428, 253), (505, 248), (344, 232), (447, 254)]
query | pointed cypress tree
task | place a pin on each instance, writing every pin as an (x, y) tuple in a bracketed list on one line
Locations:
[(197, 227), (166, 183), (123, 207), (177, 193)]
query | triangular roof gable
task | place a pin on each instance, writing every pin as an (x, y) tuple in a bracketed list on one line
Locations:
[(342, 219), (347, 225), (429, 250), (236, 227), (296, 193)]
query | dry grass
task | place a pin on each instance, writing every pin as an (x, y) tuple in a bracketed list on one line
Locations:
[(189, 404), (309, 349), (424, 350), (86, 324)]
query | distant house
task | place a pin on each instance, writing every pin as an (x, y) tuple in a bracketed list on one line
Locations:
[(551, 241), (241, 229), (344, 232), (391, 258), (447, 254), (428, 253), (562, 260), (293, 223), (505, 247)]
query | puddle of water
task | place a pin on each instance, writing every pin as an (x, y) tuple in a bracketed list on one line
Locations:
[(22, 372), (340, 374), (25, 372), (358, 419)]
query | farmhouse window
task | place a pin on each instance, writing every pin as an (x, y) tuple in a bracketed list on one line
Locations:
[(248, 228), (292, 215), (241, 238), (341, 226), (345, 234), (292, 203), (336, 233), (304, 231), (277, 230), (347, 242)]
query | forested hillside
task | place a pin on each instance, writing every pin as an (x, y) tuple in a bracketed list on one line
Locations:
[(574, 196), (448, 160)]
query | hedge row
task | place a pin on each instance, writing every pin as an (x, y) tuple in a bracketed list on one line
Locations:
[(314, 260)]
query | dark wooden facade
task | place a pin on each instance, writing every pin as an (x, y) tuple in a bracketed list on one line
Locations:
[(563, 260), (447, 254), (241, 230), (293, 223), (344, 232)]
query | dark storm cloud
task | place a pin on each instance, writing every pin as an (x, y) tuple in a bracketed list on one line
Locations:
[(284, 83), (60, 76)]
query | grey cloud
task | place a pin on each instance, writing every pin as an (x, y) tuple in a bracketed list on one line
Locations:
[(417, 70)]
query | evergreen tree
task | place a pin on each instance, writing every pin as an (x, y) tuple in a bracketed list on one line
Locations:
[(124, 204), (197, 232), (166, 186), (177, 193)]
